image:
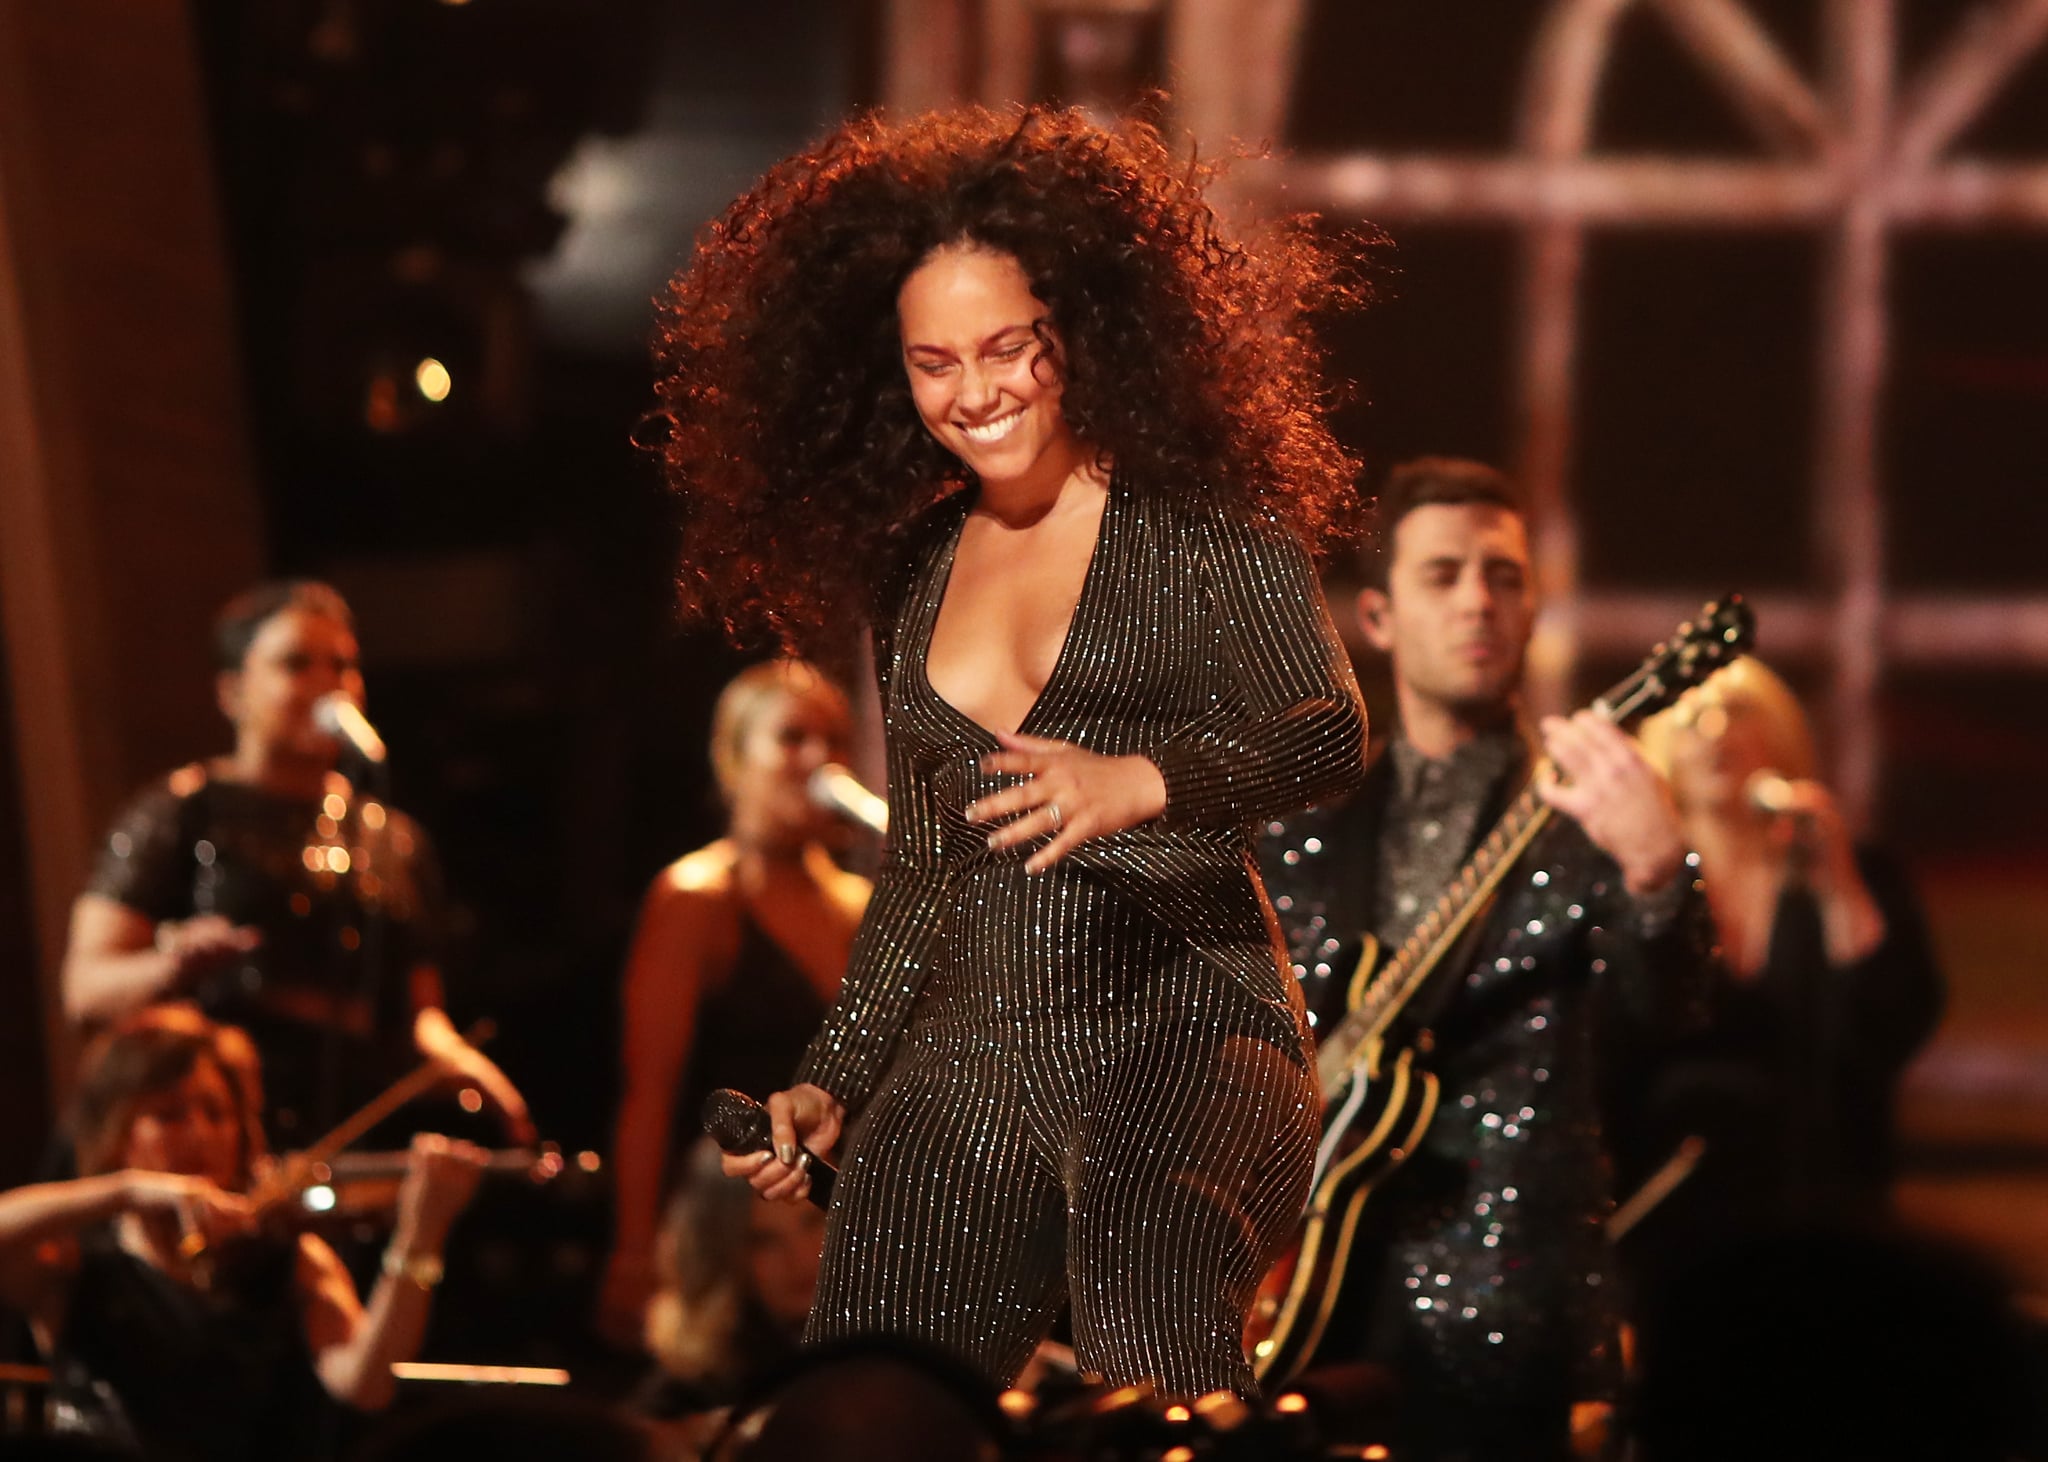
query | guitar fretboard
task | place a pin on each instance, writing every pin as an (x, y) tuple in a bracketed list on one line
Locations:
[(1448, 918)]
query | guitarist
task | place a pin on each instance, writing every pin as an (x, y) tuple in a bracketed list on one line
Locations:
[(1480, 1277)]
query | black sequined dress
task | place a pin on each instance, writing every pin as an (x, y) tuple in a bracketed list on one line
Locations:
[(1482, 1277), (344, 891), (1090, 1084)]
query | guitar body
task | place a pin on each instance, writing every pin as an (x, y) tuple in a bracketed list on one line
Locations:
[(1377, 1120)]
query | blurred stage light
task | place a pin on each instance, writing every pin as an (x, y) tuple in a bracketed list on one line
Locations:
[(433, 379)]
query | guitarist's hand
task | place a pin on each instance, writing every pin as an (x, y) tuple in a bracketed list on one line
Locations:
[(1604, 783)]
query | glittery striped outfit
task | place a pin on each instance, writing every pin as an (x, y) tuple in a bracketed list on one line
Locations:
[(1090, 1084)]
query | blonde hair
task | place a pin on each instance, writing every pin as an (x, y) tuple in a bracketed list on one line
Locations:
[(1750, 687), (742, 702)]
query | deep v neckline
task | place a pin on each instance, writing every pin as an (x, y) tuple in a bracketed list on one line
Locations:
[(936, 603)]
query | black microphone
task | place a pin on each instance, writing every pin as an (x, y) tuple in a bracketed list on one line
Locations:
[(340, 717), (739, 1125), (836, 789)]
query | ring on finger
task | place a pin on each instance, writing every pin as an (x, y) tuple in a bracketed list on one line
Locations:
[(1057, 820)]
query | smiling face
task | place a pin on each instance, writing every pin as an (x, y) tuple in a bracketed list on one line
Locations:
[(985, 380)]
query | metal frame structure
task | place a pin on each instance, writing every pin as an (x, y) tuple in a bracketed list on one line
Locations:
[(1856, 155)]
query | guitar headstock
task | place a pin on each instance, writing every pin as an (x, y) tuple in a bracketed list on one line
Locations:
[(1723, 629)]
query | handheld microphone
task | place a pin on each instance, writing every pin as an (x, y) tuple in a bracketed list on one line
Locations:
[(739, 1125), (836, 789), (342, 718)]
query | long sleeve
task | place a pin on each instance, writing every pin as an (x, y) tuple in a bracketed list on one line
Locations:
[(886, 967), (1296, 735)]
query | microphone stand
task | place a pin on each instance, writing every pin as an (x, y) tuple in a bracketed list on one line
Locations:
[(372, 783), (1797, 966)]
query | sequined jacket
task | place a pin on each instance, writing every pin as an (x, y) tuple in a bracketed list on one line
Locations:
[(1489, 1259), (1201, 641)]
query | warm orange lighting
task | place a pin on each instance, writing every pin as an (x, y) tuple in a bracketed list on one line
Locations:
[(1179, 1454), (1375, 1453), (472, 1100), (589, 1161), (1017, 1404), (380, 408), (1291, 1403), (433, 379), (1179, 1413)]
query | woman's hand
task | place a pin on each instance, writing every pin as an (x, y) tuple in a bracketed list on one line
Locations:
[(440, 1179), (1071, 794), (802, 1120), (198, 946), (1811, 824), (200, 1207)]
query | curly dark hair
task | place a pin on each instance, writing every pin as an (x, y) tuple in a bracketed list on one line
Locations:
[(785, 420)]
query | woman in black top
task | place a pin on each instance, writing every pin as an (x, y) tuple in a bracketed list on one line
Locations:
[(1004, 382), (1833, 983), (740, 948), (265, 888), (238, 1351)]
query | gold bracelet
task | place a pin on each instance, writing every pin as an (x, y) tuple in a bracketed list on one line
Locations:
[(423, 1269)]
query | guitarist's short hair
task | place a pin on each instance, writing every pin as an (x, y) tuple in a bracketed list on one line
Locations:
[(1423, 482)]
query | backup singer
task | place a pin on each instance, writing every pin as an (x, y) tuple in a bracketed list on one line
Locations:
[(1003, 380), (1834, 989), (265, 888), (1482, 1280), (740, 948)]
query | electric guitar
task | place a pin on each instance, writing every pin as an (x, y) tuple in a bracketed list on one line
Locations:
[(1379, 1094)]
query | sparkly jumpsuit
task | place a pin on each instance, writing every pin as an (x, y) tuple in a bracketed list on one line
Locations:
[(1092, 1084)]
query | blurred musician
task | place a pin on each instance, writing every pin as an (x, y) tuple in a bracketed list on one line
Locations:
[(180, 1321), (1835, 985), (266, 888), (739, 951)]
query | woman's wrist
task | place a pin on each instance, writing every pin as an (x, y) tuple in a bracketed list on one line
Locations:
[(1150, 784), (416, 1238)]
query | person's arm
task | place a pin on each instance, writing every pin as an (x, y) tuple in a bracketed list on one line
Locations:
[(354, 1345), (678, 929), (32, 1217), (1299, 737), (117, 959), (437, 1039)]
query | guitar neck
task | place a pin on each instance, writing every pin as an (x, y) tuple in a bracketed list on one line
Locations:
[(1725, 629), (1439, 931)]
